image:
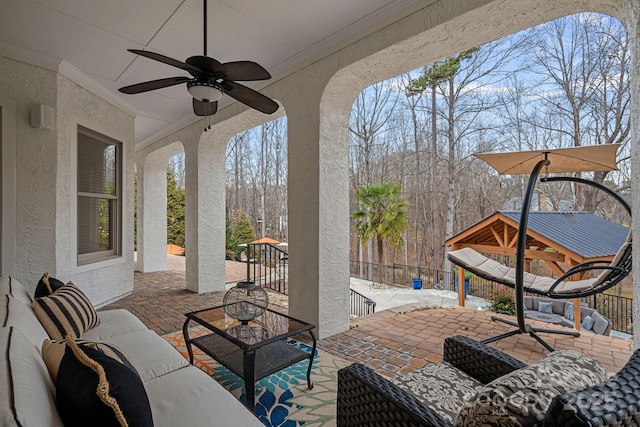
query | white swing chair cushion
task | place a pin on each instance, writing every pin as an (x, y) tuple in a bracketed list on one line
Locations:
[(477, 263)]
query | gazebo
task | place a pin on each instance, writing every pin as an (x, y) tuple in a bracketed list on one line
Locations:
[(553, 237)]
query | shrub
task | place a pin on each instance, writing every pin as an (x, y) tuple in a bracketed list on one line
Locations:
[(502, 302)]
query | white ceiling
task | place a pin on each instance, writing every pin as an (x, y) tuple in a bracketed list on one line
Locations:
[(93, 36)]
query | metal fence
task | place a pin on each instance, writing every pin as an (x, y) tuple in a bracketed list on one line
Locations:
[(402, 275), (618, 309)]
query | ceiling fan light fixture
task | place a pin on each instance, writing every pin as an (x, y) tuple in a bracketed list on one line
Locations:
[(204, 91)]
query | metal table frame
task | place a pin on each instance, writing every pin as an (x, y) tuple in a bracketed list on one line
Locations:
[(253, 349)]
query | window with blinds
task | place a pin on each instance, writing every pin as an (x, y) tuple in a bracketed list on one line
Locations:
[(99, 196)]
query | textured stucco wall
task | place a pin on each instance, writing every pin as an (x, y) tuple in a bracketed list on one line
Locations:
[(205, 214), (36, 169), (45, 180), (108, 280)]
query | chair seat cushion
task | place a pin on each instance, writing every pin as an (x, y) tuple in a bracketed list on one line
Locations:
[(441, 386), (543, 317), (491, 269), (522, 397)]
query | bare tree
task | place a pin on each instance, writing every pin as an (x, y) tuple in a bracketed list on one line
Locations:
[(584, 61)]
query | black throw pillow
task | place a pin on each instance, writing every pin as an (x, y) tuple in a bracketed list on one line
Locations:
[(46, 286), (92, 389)]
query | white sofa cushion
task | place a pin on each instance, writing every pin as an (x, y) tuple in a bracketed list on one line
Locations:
[(152, 355), (114, 323), (188, 396), (9, 285), (28, 400), (22, 317)]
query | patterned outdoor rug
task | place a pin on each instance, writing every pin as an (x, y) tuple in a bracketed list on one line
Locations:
[(282, 399)]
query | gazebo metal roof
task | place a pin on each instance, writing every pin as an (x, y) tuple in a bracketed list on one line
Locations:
[(588, 235), (554, 237)]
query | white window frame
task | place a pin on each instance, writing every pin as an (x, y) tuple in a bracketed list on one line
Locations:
[(116, 225)]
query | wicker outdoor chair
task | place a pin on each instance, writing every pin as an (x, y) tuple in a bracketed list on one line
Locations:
[(367, 399)]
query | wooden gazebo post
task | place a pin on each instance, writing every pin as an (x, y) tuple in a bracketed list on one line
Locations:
[(461, 286), (454, 247), (576, 301)]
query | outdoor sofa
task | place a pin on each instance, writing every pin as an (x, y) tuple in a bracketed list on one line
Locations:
[(561, 312), (488, 387), (177, 393)]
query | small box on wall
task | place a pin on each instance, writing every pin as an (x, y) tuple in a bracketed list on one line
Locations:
[(42, 116)]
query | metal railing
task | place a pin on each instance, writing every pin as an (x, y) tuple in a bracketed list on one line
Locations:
[(618, 309), (402, 275), (360, 305), (267, 266)]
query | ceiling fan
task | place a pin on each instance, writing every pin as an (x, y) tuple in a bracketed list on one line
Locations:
[(210, 80)]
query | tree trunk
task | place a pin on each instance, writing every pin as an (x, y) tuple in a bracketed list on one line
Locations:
[(417, 189), (370, 260), (381, 263), (434, 177), (451, 174)]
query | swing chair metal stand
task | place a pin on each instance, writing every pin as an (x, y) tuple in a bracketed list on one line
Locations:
[(522, 326)]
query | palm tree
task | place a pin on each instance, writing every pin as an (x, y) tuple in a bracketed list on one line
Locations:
[(381, 214)]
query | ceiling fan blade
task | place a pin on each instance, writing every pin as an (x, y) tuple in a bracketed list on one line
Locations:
[(204, 108), (250, 97), (242, 70), (166, 60), (153, 85)]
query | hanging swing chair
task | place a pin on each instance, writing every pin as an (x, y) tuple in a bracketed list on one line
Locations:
[(578, 159)]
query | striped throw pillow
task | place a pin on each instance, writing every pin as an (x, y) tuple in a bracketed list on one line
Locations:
[(66, 312)]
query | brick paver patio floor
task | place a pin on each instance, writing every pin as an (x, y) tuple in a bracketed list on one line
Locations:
[(392, 342)]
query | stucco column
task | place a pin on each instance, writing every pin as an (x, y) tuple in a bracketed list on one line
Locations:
[(632, 23), (152, 212), (318, 208), (205, 212)]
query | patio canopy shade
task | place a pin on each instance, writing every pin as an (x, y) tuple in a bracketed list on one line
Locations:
[(266, 240), (595, 158)]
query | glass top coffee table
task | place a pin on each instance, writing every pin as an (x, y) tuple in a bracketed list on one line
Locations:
[(251, 349)]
